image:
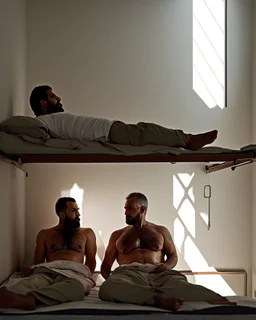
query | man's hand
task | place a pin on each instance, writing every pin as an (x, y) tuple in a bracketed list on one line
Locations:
[(161, 268), (26, 271)]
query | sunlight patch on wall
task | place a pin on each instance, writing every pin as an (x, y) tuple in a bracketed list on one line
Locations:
[(179, 234), (183, 200), (188, 216), (180, 185), (178, 192), (78, 194), (205, 217), (185, 230), (98, 262), (100, 249), (209, 51), (186, 178), (197, 262), (193, 256), (191, 194)]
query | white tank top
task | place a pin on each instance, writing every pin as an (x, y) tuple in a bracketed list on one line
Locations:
[(65, 125)]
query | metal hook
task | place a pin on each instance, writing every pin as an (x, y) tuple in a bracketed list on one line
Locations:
[(207, 195)]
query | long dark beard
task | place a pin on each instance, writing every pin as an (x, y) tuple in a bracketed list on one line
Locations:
[(131, 221), (68, 236), (71, 224), (54, 108), (70, 228)]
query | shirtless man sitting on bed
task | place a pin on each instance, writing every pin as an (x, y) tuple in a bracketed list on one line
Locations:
[(65, 276), (48, 109), (145, 276)]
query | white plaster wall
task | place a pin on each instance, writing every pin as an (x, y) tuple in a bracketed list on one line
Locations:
[(132, 60), (253, 121), (12, 100)]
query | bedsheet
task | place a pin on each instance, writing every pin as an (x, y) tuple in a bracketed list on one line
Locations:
[(21, 144), (92, 305)]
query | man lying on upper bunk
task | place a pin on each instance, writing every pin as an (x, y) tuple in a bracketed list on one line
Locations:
[(144, 276), (48, 109), (64, 276)]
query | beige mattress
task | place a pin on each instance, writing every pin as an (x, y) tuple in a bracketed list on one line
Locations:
[(94, 306), (19, 144)]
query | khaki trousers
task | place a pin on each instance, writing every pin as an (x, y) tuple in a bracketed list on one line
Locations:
[(50, 288), (136, 284), (146, 133)]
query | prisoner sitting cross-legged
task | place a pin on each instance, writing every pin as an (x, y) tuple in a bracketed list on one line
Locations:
[(146, 256), (69, 252)]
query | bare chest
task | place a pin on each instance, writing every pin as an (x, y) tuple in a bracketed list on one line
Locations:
[(145, 238), (59, 240)]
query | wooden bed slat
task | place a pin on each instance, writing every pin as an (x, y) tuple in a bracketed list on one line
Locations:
[(73, 158)]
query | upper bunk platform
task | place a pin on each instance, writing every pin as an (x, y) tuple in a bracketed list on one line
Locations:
[(23, 150), (103, 158), (215, 162)]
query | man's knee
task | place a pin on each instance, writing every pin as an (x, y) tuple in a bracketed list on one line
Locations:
[(106, 289), (111, 288), (73, 289), (77, 289)]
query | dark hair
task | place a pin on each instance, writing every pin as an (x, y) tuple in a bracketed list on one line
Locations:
[(141, 198), (38, 93), (62, 204)]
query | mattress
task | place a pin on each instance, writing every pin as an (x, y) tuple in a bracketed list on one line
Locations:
[(92, 306), (18, 144)]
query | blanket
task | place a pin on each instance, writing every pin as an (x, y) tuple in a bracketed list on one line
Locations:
[(69, 269)]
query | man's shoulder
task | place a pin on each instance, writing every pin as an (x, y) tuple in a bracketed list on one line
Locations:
[(119, 231), (157, 227), (57, 115), (87, 231), (46, 231)]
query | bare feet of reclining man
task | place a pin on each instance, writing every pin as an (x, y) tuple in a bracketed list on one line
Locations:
[(197, 141), (9, 299)]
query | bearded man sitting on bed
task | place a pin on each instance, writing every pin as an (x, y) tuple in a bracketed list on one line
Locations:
[(48, 109), (64, 276), (144, 276)]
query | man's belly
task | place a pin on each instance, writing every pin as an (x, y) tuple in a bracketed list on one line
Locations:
[(141, 256), (69, 255)]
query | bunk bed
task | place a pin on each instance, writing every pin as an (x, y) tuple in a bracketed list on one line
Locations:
[(21, 145), (25, 140)]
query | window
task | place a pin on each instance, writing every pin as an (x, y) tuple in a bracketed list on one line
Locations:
[(210, 51)]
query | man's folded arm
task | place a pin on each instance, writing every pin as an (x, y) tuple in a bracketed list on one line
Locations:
[(39, 254), (110, 256), (90, 250), (40, 250), (169, 249)]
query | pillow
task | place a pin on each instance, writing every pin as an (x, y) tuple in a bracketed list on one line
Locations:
[(25, 125)]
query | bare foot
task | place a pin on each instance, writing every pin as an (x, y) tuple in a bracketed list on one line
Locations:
[(9, 299), (224, 301), (197, 141), (172, 304)]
